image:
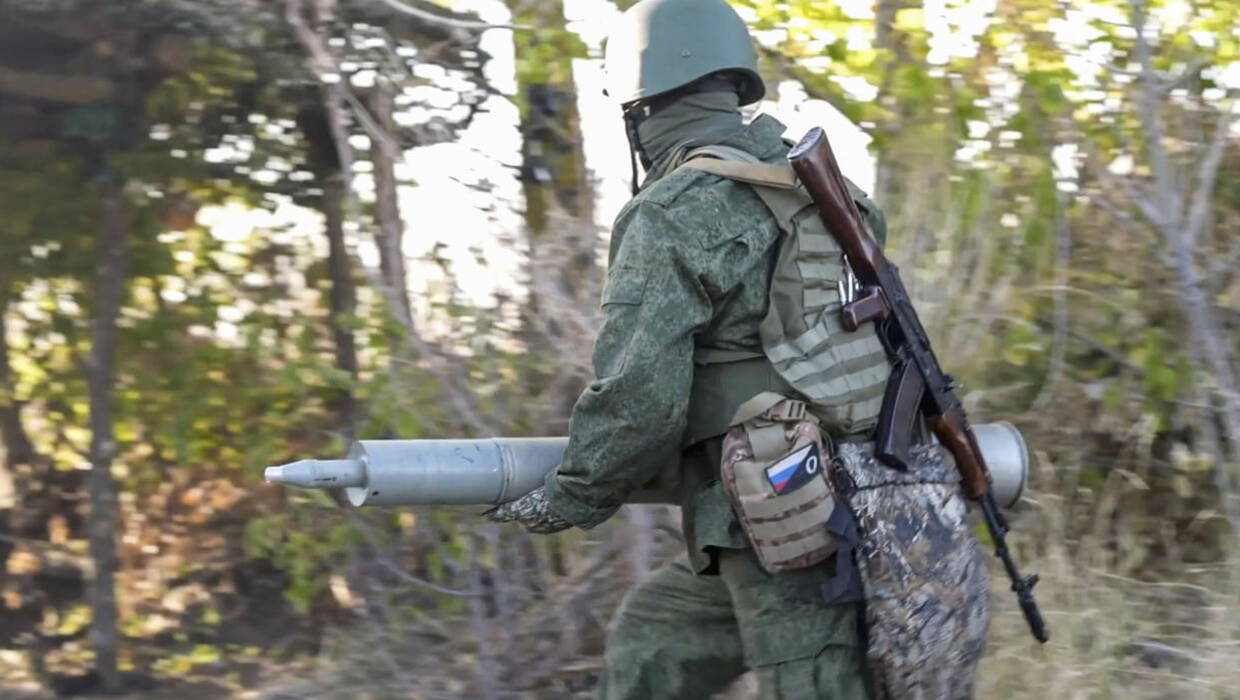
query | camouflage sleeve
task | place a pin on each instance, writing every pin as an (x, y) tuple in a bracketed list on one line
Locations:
[(627, 425)]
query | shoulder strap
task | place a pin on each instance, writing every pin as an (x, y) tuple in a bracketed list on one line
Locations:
[(722, 152), (775, 184), (735, 164)]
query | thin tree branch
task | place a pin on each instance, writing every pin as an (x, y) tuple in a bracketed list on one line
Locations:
[(1193, 70), (1207, 171), (804, 76), (1059, 298), (1167, 192), (384, 560), (1144, 203), (487, 659), (69, 89), (448, 21), (334, 97)]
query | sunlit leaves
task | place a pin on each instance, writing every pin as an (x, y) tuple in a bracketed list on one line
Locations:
[(1018, 261), (544, 53)]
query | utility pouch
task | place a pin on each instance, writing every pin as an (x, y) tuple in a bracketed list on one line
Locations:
[(774, 469)]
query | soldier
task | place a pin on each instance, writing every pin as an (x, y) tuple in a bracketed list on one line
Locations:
[(679, 355)]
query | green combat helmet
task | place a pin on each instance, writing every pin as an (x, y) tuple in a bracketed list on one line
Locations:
[(662, 45)]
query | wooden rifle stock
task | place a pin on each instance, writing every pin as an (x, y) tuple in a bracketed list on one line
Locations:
[(815, 164), (919, 387), (952, 429)]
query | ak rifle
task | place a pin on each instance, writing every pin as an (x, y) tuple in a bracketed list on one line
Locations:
[(918, 386)]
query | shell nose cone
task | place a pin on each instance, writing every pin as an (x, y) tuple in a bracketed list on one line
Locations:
[(318, 473), (299, 473)]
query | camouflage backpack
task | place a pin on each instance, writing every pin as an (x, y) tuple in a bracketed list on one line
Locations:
[(924, 582)]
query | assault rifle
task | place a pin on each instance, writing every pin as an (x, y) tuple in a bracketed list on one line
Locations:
[(918, 386)]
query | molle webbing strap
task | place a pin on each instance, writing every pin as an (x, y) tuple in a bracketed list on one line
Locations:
[(842, 375), (703, 355)]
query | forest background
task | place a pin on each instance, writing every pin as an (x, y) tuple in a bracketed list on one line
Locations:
[(239, 232)]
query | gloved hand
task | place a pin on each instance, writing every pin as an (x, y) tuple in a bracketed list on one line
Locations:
[(533, 512)]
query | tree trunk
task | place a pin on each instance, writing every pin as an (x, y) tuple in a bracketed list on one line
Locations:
[(1212, 353), (111, 272), (553, 162), (390, 225), (1182, 216), (17, 447), (559, 211), (553, 172), (342, 298)]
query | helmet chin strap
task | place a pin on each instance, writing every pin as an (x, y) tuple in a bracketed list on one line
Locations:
[(633, 116)]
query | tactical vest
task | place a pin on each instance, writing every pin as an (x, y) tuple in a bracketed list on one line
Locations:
[(841, 375)]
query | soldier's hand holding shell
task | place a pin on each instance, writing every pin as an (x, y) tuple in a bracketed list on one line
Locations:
[(532, 511)]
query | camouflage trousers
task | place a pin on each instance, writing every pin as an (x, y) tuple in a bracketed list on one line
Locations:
[(680, 635)]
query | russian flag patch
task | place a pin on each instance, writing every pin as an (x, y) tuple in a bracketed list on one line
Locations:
[(795, 469)]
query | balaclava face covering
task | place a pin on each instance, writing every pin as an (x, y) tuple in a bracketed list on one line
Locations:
[(659, 136)]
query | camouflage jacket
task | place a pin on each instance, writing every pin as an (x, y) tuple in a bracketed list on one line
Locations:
[(689, 266)]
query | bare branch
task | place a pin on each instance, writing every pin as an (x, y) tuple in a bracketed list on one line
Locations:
[(335, 95), (447, 21), (1111, 353), (71, 89), (1151, 95), (1059, 341), (1185, 76), (1111, 208), (1141, 200), (804, 77), (383, 139), (1207, 171), (384, 559)]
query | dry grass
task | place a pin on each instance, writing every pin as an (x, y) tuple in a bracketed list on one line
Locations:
[(1113, 635)]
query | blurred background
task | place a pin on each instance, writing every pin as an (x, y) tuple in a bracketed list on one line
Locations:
[(239, 232)]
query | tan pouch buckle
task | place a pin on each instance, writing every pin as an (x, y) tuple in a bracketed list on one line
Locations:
[(789, 411)]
